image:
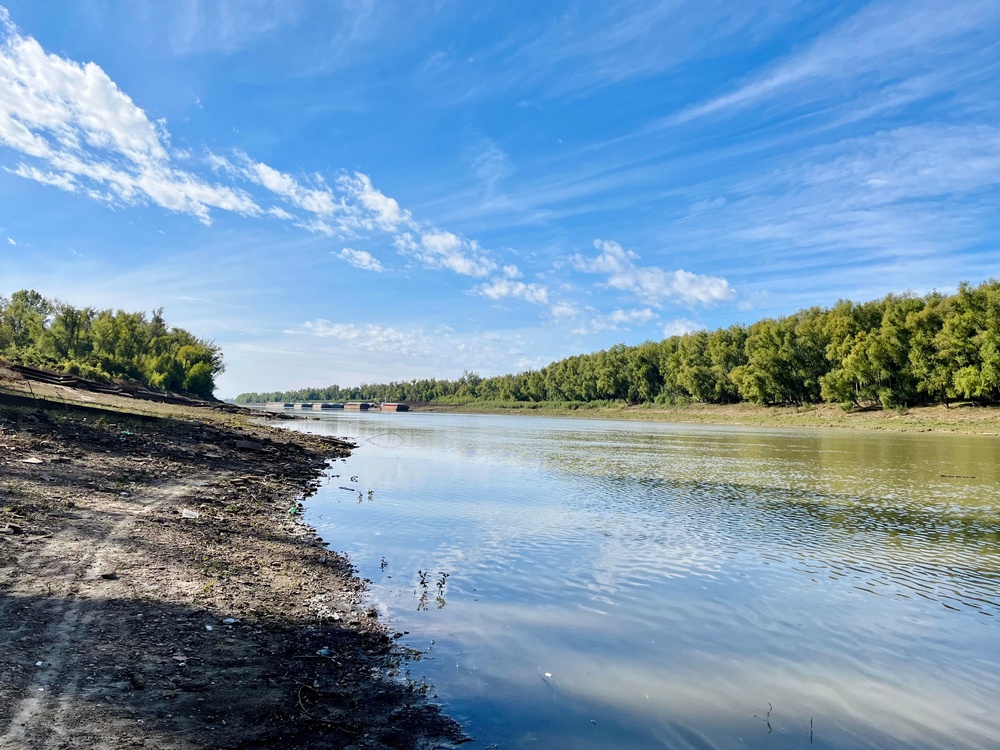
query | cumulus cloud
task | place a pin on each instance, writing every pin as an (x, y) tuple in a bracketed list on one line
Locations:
[(624, 317), (81, 133), (511, 272), (361, 259), (612, 258), (318, 201), (563, 311), (384, 211), (441, 249), (72, 128), (650, 284), (359, 207)]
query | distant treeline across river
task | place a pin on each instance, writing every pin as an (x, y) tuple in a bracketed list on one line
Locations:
[(899, 351)]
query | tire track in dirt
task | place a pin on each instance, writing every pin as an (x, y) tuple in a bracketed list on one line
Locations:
[(82, 565)]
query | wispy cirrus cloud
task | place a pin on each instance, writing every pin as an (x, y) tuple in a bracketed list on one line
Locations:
[(650, 284), (490, 164), (864, 207), (596, 45), (872, 48), (191, 27)]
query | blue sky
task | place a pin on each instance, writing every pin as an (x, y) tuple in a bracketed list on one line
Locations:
[(366, 191)]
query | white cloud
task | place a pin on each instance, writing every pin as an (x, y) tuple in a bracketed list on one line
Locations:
[(654, 285), (680, 326), (221, 164), (384, 211), (563, 311), (370, 336), (612, 258), (318, 226), (80, 126), (441, 243), (10, 241), (650, 284), (443, 249), (625, 317), (607, 44), (361, 259), (501, 288), (55, 179), (616, 320), (319, 201), (77, 131), (511, 272)]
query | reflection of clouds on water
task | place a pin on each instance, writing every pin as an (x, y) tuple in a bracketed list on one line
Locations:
[(674, 580), (722, 700), (856, 701)]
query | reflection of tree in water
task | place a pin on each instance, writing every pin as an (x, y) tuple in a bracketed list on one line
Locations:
[(424, 587)]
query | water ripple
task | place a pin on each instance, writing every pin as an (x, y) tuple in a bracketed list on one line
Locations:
[(674, 582)]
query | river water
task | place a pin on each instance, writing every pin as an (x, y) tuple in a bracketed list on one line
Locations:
[(598, 584)]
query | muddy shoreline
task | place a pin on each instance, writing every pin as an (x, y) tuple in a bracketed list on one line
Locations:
[(157, 589)]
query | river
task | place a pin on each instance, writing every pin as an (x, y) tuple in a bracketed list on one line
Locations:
[(598, 584)]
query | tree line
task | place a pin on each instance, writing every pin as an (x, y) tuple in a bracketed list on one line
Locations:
[(106, 344), (899, 351)]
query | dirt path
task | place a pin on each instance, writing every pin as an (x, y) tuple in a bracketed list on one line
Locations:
[(47, 592), (157, 590)]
